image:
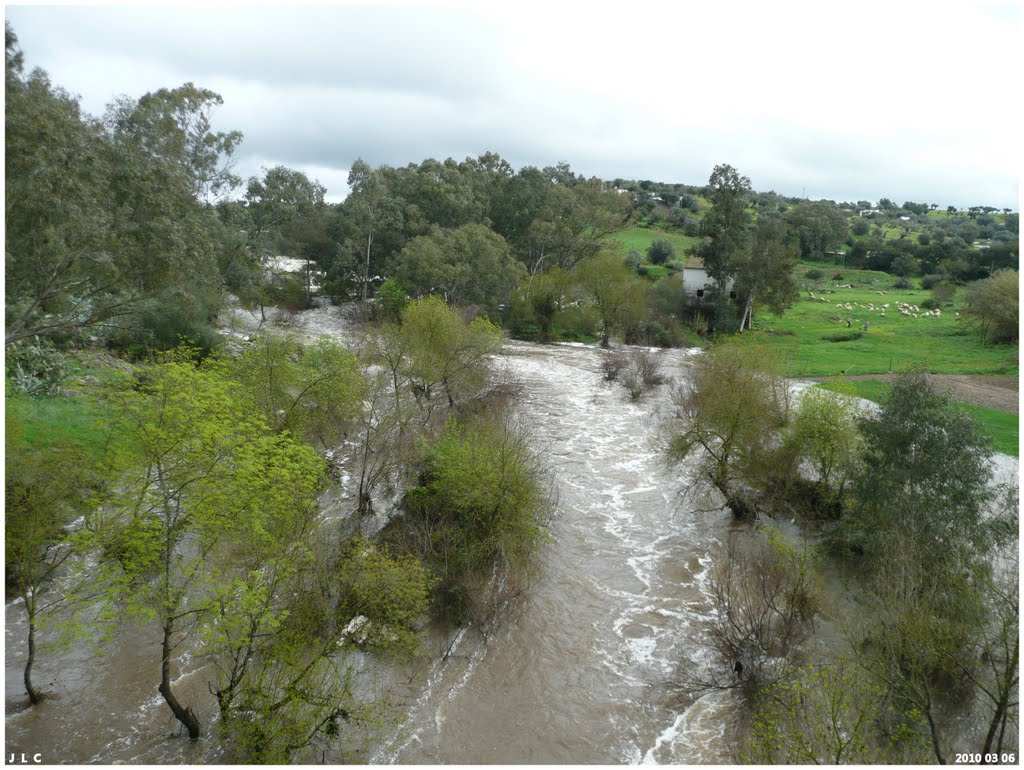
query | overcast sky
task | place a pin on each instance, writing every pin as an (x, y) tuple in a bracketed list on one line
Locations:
[(850, 101)]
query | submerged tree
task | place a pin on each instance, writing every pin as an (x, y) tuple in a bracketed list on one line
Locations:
[(178, 500), (731, 412), (46, 488)]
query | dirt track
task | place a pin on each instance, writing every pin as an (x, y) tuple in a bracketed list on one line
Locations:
[(994, 391)]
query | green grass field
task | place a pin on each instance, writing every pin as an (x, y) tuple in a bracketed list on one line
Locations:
[(43, 423), (891, 343), (1003, 427), (639, 238)]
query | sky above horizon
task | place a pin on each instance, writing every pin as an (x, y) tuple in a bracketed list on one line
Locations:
[(903, 100)]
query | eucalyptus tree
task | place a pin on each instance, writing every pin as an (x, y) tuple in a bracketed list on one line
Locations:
[(470, 265), (372, 207), (726, 224), (62, 268)]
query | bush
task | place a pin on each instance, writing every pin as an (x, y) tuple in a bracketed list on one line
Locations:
[(837, 276), (612, 365), (842, 337), (633, 260), (903, 283), (766, 594), (641, 372), (35, 367), (391, 300), (477, 515), (660, 251), (165, 325), (814, 274), (931, 280)]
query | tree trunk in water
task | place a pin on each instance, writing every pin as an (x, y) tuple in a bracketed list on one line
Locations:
[(184, 715), (740, 506), (34, 695)]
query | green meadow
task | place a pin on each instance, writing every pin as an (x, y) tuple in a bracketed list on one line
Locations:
[(825, 335), (640, 238), (1003, 427)]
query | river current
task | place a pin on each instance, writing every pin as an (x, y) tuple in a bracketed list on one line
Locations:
[(581, 671)]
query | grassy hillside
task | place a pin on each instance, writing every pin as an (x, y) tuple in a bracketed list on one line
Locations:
[(639, 238), (813, 338)]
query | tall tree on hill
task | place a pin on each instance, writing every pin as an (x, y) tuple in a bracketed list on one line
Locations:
[(726, 225), (819, 226), (372, 208), (765, 274), (574, 223), (174, 127)]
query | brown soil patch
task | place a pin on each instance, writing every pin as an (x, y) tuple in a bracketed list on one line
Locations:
[(995, 391)]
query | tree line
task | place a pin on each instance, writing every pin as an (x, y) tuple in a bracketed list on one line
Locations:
[(901, 502), (180, 493)]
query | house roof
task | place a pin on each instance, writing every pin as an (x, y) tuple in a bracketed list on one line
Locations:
[(694, 263)]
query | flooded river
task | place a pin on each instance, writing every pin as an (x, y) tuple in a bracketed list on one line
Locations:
[(581, 672)]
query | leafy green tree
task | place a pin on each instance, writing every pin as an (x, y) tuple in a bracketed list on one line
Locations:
[(833, 714), (731, 412), (921, 515), (824, 431), (924, 477), (48, 483), (60, 278), (283, 205), (764, 276), (174, 128), (445, 355), (467, 266), (819, 226), (313, 391), (993, 306), (574, 224), (372, 208), (193, 477), (661, 251), (618, 296), (725, 227), (481, 505)]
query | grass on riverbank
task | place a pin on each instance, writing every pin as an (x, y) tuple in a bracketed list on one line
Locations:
[(1003, 427)]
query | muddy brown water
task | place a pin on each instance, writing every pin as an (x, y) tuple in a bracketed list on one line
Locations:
[(580, 672)]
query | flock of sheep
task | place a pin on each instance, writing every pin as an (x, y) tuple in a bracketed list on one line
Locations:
[(904, 309)]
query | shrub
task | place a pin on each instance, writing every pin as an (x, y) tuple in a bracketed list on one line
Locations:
[(930, 281), (642, 371), (391, 300), (477, 515), (633, 260), (35, 367), (842, 337), (814, 274), (903, 283), (612, 365), (660, 251), (837, 276)]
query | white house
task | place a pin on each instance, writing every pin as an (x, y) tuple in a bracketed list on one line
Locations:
[(696, 279)]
